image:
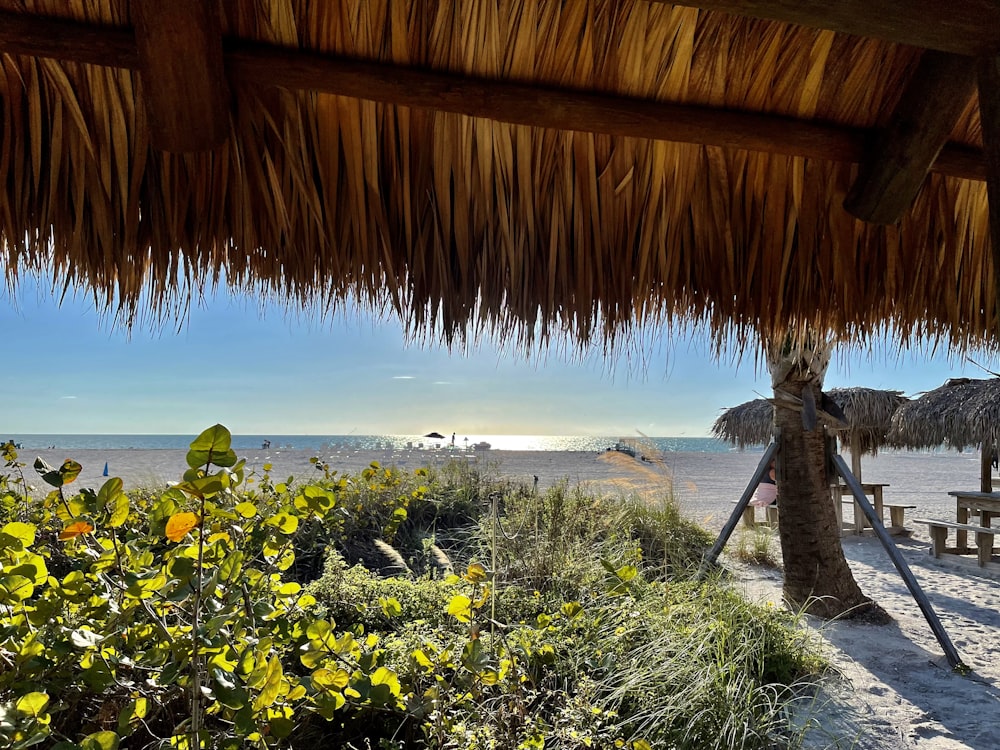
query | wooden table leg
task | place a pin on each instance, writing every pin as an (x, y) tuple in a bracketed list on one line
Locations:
[(985, 519), (877, 494), (984, 545), (961, 537)]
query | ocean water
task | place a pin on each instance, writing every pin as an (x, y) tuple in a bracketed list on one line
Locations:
[(368, 442)]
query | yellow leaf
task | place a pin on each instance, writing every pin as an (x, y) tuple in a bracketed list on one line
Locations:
[(385, 676), (460, 607), (74, 529), (475, 573), (179, 525)]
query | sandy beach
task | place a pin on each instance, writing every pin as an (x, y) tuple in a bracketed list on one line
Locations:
[(894, 691)]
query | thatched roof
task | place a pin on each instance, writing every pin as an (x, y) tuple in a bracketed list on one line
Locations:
[(528, 166), (962, 413), (867, 411), (746, 425)]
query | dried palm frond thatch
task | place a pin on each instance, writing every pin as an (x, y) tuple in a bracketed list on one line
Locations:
[(867, 412), (746, 425), (962, 413), (456, 214)]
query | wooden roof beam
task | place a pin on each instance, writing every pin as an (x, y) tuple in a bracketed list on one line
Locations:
[(988, 76), (963, 27), (563, 109), (518, 103), (902, 154), (179, 45)]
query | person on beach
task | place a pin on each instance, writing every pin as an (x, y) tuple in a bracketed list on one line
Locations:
[(767, 491)]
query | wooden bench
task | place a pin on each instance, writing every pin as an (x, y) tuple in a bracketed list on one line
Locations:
[(750, 516), (939, 537), (897, 516)]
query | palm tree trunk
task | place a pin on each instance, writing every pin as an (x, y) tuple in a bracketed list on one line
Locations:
[(817, 576)]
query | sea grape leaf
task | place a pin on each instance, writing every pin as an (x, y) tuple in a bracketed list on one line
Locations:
[(49, 474), (32, 704), (475, 573), (69, 471), (284, 522), (109, 490), (460, 607), (17, 535), (271, 688), (104, 740), (74, 529), (179, 525), (231, 566), (390, 606), (119, 507), (213, 446), (246, 509), (330, 680), (202, 487)]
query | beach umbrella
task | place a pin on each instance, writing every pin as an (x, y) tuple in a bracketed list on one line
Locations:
[(434, 436), (468, 168), (961, 413), (867, 415)]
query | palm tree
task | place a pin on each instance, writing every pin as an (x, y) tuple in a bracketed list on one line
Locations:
[(817, 576)]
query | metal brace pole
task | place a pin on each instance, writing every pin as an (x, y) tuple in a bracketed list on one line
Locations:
[(897, 559), (727, 530)]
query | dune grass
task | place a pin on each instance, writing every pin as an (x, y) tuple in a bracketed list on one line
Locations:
[(235, 611)]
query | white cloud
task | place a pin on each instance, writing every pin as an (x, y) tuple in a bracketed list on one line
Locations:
[(61, 398), (403, 377)]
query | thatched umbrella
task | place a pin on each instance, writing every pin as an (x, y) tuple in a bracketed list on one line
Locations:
[(962, 413), (548, 168), (867, 417), (749, 424)]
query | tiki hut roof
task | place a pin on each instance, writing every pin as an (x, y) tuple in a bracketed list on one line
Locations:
[(962, 413), (746, 425), (528, 167), (867, 411)]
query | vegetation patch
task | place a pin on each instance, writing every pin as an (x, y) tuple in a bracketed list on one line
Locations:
[(432, 609)]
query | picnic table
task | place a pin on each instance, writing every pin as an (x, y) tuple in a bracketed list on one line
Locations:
[(985, 504), (842, 492)]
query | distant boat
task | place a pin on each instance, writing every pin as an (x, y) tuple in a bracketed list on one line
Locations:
[(625, 446)]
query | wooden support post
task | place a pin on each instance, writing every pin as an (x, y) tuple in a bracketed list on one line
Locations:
[(904, 570), (986, 460), (989, 115), (183, 78), (744, 502)]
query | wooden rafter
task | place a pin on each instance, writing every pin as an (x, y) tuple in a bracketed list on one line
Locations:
[(989, 109), (259, 64), (963, 27), (179, 46), (904, 151)]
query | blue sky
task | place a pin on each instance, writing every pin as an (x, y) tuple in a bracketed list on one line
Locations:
[(69, 371)]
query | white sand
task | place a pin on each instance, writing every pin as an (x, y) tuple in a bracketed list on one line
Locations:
[(896, 691)]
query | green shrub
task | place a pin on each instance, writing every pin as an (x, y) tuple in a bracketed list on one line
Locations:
[(221, 612)]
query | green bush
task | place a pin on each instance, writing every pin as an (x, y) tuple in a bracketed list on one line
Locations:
[(222, 613)]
